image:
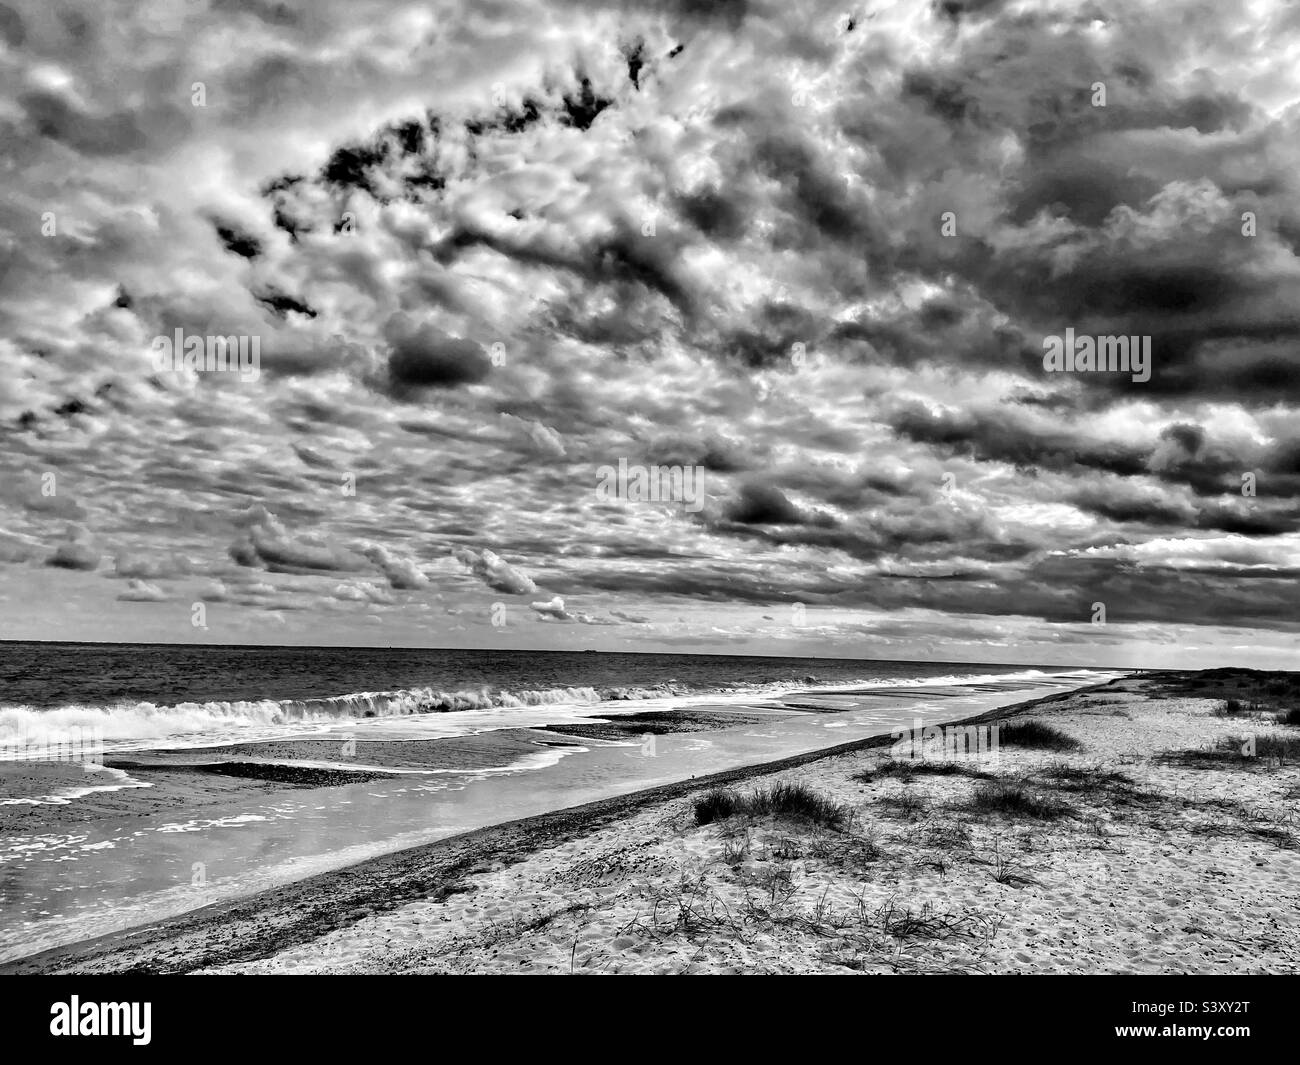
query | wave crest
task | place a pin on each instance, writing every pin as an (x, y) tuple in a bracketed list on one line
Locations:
[(20, 725)]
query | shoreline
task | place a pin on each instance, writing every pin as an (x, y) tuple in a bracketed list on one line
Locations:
[(267, 922), (1144, 826)]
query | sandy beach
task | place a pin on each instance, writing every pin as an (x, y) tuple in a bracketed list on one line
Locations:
[(1123, 832)]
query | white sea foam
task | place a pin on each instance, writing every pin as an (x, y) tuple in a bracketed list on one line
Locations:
[(121, 781), (128, 726)]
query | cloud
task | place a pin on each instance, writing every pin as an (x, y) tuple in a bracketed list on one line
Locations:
[(482, 258), (554, 608), (55, 506), (74, 552), (401, 573), (495, 572), (555, 611), (13, 550), (542, 438), (146, 566), (425, 357), (138, 591), (268, 544), (362, 593), (764, 504)]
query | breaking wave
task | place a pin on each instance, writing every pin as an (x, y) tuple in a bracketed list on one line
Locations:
[(145, 720)]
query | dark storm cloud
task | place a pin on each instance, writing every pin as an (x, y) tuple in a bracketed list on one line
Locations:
[(764, 504), (582, 107), (962, 330), (712, 451), (1144, 195), (776, 329), (989, 438), (1247, 519), (1182, 456), (507, 119), (426, 357), (11, 26), (282, 304), (956, 10), (719, 214), (622, 254), (54, 117), (73, 554), (1119, 502), (237, 240)]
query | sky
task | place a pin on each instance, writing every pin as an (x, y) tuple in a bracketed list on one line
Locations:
[(808, 252)]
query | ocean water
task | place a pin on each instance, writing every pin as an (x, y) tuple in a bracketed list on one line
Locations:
[(136, 695)]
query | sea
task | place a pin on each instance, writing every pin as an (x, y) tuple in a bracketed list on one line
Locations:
[(168, 695)]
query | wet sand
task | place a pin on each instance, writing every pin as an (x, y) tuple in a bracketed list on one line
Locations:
[(198, 780), (658, 723), (202, 779)]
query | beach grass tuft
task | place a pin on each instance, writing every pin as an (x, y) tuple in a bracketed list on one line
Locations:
[(716, 805), (1036, 735), (1083, 778), (779, 800), (907, 804), (1242, 752), (1283, 748), (1015, 800), (905, 770)]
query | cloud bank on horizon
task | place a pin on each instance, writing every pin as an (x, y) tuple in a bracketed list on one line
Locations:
[(812, 251)]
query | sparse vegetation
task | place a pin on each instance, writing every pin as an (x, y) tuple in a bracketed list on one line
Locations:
[(1016, 800), (946, 835), (906, 771), (850, 850), (1202, 758), (689, 907), (907, 803), (1036, 735), (1248, 691), (1240, 752), (780, 800), (1083, 778), (736, 849), (925, 922), (1279, 837), (1006, 871), (1283, 748)]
